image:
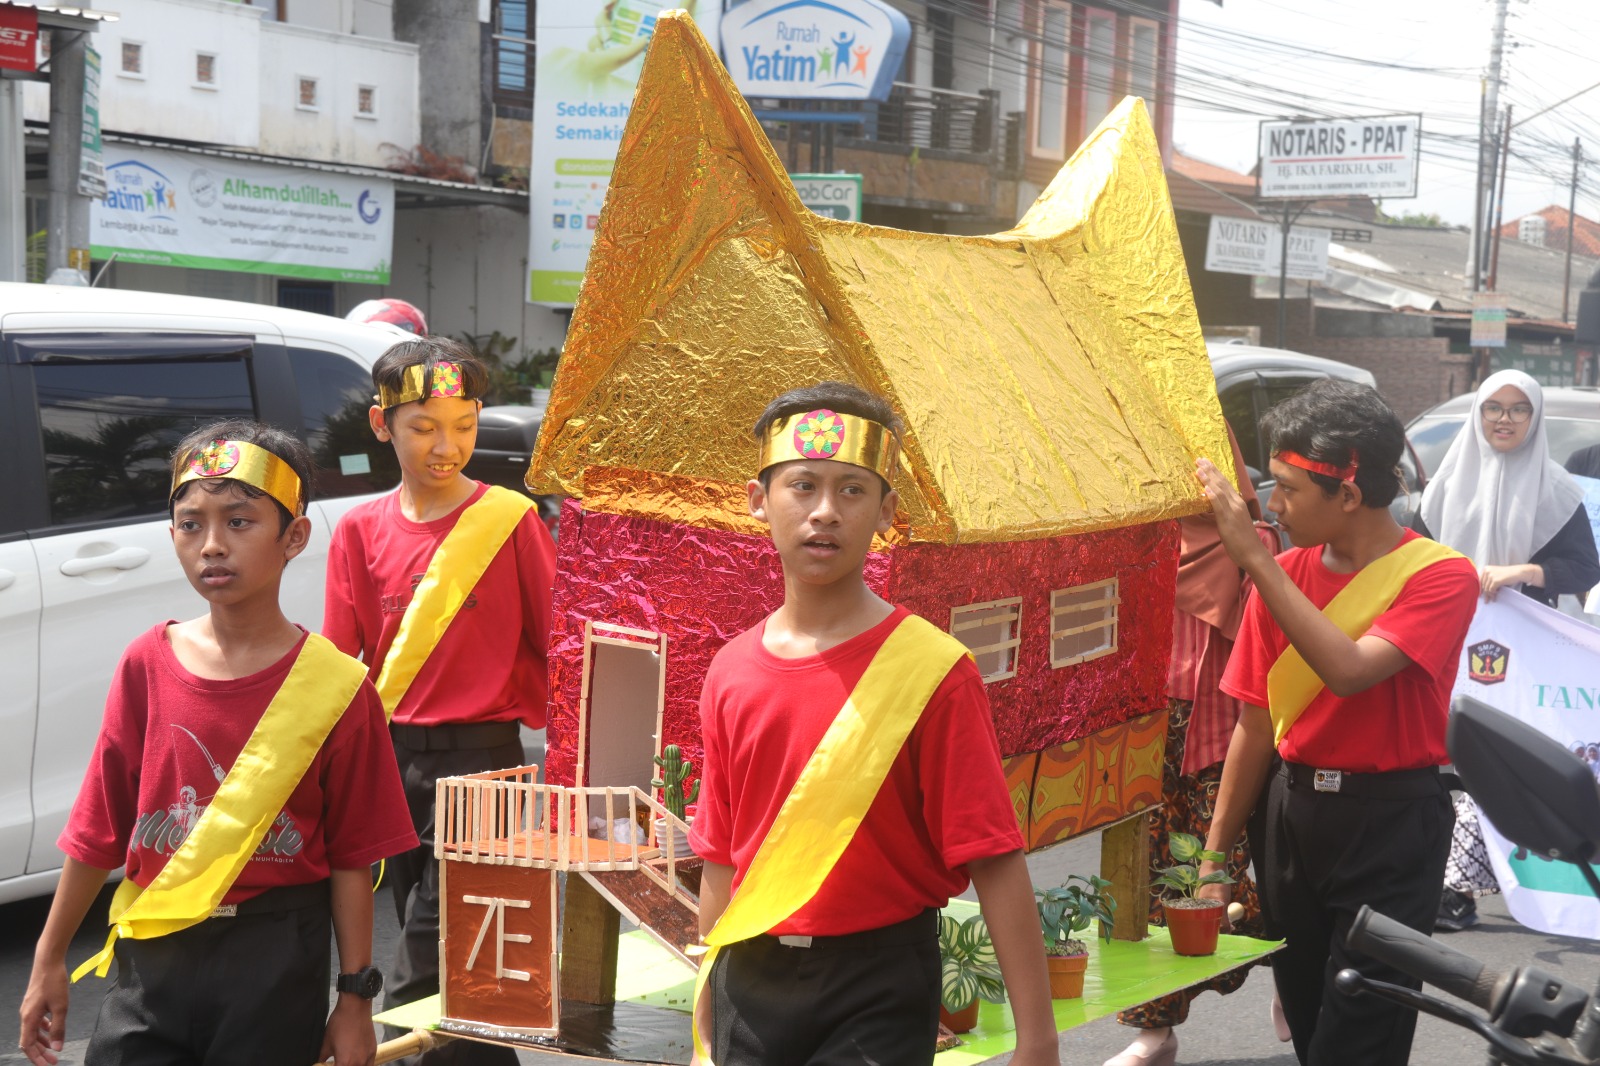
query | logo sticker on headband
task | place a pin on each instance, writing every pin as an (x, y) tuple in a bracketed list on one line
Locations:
[(446, 379), (819, 434), (215, 459)]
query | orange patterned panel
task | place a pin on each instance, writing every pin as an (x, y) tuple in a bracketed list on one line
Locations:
[(1060, 794), (1143, 761), (498, 927), (1020, 771), (1096, 780)]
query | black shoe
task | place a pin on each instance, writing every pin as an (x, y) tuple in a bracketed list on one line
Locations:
[(1457, 911)]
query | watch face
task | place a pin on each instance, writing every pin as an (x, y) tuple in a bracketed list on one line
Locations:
[(371, 982)]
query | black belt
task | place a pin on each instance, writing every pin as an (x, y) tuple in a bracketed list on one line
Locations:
[(917, 929), (280, 900), (1394, 784), (465, 736)]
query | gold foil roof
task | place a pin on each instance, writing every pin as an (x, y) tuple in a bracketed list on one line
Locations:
[(1052, 377)]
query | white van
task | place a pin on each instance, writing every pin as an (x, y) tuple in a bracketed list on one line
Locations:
[(96, 388)]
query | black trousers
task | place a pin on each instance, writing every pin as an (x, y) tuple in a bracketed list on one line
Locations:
[(870, 997), (251, 990), (1381, 841), (426, 754)]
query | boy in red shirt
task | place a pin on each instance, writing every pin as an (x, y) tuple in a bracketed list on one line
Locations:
[(1345, 661), (443, 590), (825, 944), (243, 775)]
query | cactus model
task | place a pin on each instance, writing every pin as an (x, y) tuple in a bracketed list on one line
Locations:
[(675, 771)]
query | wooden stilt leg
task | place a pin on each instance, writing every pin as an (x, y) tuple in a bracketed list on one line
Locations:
[(1125, 862), (589, 930)]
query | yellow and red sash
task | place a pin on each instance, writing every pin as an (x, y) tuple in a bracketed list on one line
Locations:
[(320, 685), (1291, 683), (838, 783), (457, 564)]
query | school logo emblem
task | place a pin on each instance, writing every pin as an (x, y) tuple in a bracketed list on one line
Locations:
[(819, 435), (1487, 661), (215, 459)]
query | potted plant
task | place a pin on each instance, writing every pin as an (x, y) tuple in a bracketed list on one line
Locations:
[(1063, 911), (968, 972), (676, 797), (1193, 923)]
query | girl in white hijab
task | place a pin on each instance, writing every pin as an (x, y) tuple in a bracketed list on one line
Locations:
[(1500, 499)]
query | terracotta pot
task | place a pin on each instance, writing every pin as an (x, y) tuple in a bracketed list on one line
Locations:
[(1066, 975), (1194, 928), (962, 1020)]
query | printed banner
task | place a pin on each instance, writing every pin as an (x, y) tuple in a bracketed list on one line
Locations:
[(1538, 665), (19, 38), (590, 53), (187, 210)]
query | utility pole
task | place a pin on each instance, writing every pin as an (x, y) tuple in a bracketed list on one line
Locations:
[(67, 240), (1572, 224), (1490, 113), (1499, 212)]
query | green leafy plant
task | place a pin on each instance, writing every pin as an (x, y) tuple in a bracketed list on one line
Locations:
[(1184, 878), (675, 770), (1069, 908), (510, 379), (969, 969)]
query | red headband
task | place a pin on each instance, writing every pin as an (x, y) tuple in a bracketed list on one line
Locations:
[(1343, 473)]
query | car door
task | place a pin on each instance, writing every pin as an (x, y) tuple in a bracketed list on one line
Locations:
[(110, 406), (19, 694)]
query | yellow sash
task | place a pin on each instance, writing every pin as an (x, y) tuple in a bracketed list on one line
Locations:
[(457, 564), (1291, 684), (304, 710), (837, 785)]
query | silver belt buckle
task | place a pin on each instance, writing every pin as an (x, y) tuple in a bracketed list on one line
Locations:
[(227, 910), (1327, 780), (795, 941)]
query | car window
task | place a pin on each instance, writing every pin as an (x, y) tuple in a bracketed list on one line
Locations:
[(1239, 409), (335, 393), (1431, 438), (1567, 435), (109, 428)]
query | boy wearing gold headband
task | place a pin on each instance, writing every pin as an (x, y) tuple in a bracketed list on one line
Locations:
[(852, 782), (243, 776), (443, 589), (1345, 661)]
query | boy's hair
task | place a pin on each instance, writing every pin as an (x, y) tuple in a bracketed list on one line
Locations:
[(389, 371), (1333, 421), (285, 446), (839, 396)]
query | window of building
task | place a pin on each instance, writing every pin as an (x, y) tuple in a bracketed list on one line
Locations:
[(132, 59), (1099, 67), (366, 101), (991, 631), (1050, 82), (306, 93), (205, 70), (335, 394), (513, 54), (1083, 622), (1142, 59)]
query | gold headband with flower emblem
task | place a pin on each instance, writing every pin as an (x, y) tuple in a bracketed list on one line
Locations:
[(825, 434), (447, 382), (246, 462)]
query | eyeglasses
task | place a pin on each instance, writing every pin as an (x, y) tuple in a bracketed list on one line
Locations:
[(1517, 412)]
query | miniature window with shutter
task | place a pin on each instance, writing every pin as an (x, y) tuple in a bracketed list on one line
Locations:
[(1083, 622), (991, 631)]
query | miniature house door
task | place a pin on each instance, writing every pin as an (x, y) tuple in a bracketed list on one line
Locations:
[(624, 685)]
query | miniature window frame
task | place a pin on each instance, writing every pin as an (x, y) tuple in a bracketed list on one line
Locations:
[(136, 50), (976, 616), (199, 63), (1069, 607), (300, 82), (370, 114)]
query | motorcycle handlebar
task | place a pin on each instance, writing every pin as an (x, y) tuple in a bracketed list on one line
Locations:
[(1421, 956)]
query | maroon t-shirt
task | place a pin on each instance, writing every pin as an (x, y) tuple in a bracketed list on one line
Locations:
[(490, 664), (168, 738), (943, 804), (1397, 724)]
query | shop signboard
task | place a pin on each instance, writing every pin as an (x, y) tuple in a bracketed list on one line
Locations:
[(91, 166), (1488, 320), (834, 195), (1337, 158), (815, 49), (188, 210), (589, 56), (1250, 246), (19, 38)]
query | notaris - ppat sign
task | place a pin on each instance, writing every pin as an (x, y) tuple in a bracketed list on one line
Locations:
[(1340, 157)]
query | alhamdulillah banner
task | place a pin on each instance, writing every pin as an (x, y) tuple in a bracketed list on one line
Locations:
[(1541, 666)]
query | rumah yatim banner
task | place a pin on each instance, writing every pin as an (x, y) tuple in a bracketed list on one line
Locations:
[(1543, 667)]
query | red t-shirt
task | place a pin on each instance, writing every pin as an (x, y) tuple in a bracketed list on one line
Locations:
[(167, 739), (1397, 724), (943, 804), (490, 664)]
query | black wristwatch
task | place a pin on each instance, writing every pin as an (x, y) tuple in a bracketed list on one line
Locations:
[(366, 982)]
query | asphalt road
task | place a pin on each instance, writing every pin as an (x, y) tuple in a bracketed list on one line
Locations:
[(1221, 1029)]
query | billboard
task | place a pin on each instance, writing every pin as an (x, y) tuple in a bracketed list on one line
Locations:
[(815, 49), (1250, 246), (19, 38), (1325, 159), (187, 210), (589, 56)]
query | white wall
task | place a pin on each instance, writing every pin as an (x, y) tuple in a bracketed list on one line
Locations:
[(340, 63), (365, 18)]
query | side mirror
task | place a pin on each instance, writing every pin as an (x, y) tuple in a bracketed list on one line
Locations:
[(1539, 795)]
